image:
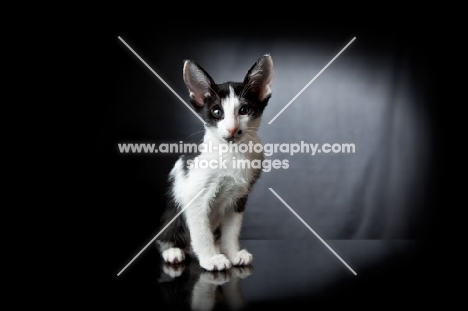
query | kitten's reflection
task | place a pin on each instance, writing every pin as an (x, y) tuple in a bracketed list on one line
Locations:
[(188, 285)]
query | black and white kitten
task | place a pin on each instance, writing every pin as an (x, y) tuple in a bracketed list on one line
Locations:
[(210, 227)]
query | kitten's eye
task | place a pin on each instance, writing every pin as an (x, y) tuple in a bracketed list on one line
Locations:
[(217, 113), (244, 110)]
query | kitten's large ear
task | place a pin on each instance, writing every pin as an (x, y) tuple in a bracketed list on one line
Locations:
[(198, 82), (260, 77)]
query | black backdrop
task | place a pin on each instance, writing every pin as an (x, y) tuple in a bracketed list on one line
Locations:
[(379, 94)]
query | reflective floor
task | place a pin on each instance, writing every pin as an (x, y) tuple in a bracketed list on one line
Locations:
[(290, 273)]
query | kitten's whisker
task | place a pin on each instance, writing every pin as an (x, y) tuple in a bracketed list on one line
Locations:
[(202, 131), (251, 130)]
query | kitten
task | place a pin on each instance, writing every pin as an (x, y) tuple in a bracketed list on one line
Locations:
[(210, 227)]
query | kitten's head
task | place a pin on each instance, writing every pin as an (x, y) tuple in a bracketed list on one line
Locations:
[(232, 110)]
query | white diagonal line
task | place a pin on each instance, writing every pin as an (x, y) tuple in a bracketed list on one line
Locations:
[(162, 230), (310, 82), (154, 72), (312, 230)]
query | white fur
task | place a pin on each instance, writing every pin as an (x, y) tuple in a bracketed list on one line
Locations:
[(231, 120), (173, 255), (223, 187)]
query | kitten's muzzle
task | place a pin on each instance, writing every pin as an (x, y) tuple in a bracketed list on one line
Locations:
[(234, 131), (234, 134)]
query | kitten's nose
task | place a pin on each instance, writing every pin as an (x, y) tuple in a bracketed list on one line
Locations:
[(234, 131)]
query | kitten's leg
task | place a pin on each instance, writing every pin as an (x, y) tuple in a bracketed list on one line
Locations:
[(202, 238), (230, 230), (174, 239)]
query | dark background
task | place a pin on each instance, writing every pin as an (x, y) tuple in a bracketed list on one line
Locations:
[(380, 94)]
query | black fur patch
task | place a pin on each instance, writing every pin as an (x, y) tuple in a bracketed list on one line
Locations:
[(240, 205), (177, 232), (257, 173), (217, 233)]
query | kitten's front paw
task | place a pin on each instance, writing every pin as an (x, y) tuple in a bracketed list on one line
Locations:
[(217, 262), (173, 255), (242, 258)]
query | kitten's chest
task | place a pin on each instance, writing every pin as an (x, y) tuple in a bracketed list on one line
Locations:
[(234, 168)]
